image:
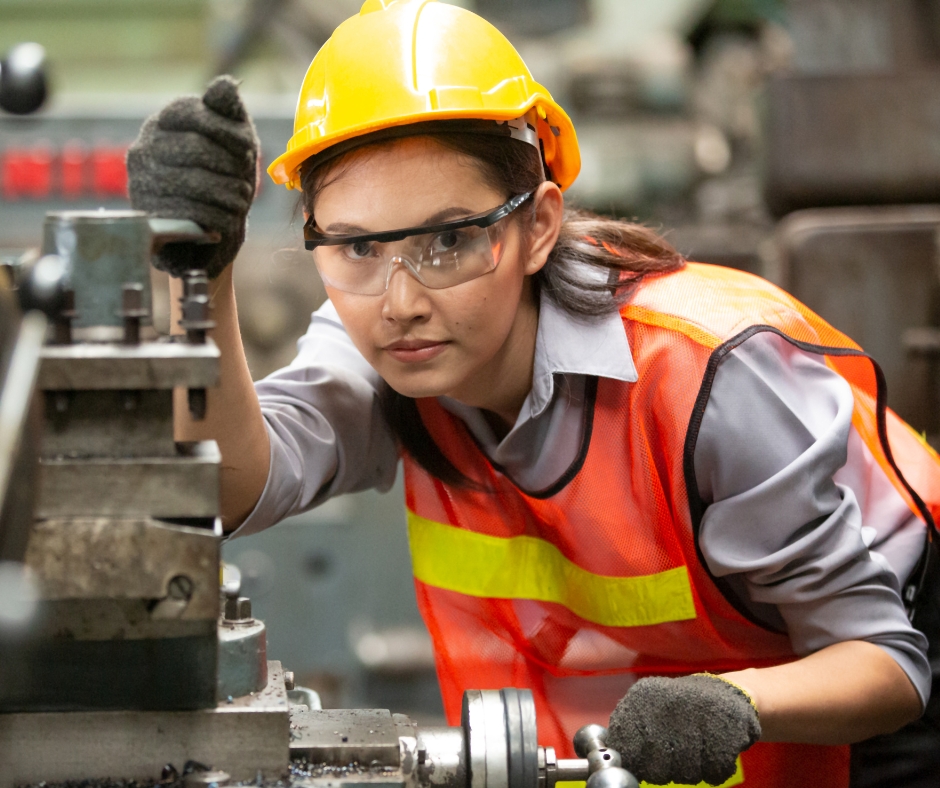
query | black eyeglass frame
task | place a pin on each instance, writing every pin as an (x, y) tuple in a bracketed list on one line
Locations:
[(314, 238)]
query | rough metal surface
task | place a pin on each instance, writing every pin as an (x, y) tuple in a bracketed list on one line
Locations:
[(102, 558), (110, 423), (152, 365), (185, 485), (126, 618), (119, 619), (245, 737), (365, 736)]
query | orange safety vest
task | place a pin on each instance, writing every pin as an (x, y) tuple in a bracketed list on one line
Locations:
[(578, 590)]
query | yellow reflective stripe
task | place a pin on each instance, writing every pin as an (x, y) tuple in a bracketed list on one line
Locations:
[(524, 567), (736, 779)]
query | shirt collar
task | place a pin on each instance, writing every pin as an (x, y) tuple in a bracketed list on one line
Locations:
[(568, 344)]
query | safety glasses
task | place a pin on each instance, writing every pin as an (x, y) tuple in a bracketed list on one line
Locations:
[(438, 256)]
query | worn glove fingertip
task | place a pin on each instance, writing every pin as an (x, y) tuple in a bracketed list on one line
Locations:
[(222, 98)]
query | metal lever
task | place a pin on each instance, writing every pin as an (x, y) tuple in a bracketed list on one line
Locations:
[(599, 765)]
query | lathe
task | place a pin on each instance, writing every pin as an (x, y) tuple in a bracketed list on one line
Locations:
[(135, 662)]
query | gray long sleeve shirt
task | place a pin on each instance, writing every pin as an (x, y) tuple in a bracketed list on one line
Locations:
[(800, 520)]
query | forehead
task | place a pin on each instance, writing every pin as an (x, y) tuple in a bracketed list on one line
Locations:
[(401, 181)]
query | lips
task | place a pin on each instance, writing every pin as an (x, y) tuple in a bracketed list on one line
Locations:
[(415, 350)]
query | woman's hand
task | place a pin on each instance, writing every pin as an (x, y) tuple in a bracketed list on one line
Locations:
[(685, 730), (691, 729), (197, 159)]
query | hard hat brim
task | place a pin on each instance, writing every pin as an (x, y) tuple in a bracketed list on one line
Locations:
[(285, 169)]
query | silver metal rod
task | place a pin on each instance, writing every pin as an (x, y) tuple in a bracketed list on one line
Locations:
[(572, 769)]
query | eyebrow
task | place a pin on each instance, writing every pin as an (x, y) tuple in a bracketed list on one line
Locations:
[(455, 212)]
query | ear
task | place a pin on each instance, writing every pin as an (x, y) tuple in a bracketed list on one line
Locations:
[(549, 212)]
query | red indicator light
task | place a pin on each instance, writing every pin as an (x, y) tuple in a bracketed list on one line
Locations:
[(73, 172), (27, 172), (108, 171)]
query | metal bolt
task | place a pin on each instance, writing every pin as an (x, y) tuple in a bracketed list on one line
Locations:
[(195, 282), (237, 609), (195, 318), (289, 679), (180, 587), (195, 321), (132, 310)]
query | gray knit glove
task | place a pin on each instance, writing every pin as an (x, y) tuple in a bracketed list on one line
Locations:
[(198, 159), (684, 730)]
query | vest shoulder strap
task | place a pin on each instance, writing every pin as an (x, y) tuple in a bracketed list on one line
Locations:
[(710, 305)]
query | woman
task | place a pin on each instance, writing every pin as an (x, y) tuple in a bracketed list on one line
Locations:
[(618, 465)]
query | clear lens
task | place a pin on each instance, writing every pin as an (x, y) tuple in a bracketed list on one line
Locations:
[(437, 260)]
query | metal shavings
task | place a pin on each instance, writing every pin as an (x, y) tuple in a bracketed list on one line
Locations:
[(300, 768)]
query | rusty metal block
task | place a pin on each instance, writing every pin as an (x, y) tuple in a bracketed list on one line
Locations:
[(183, 485), (152, 365)]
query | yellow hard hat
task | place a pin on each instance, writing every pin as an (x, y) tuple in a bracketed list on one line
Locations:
[(401, 62)]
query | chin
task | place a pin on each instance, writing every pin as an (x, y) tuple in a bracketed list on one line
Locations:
[(419, 385)]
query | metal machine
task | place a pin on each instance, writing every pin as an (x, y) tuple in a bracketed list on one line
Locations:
[(141, 660)]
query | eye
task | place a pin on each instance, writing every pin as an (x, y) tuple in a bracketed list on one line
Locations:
[(361, 250), (448, 241)]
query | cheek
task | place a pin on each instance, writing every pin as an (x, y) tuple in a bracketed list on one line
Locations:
[(481, 312), (359, 315)]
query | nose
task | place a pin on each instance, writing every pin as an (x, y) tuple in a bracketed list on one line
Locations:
[(406, 299)]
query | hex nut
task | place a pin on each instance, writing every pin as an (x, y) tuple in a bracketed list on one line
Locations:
[(237, 609)]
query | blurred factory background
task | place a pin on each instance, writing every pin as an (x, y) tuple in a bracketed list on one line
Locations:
[(797, 139)]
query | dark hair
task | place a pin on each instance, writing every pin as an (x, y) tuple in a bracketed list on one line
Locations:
[(593, 270)]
